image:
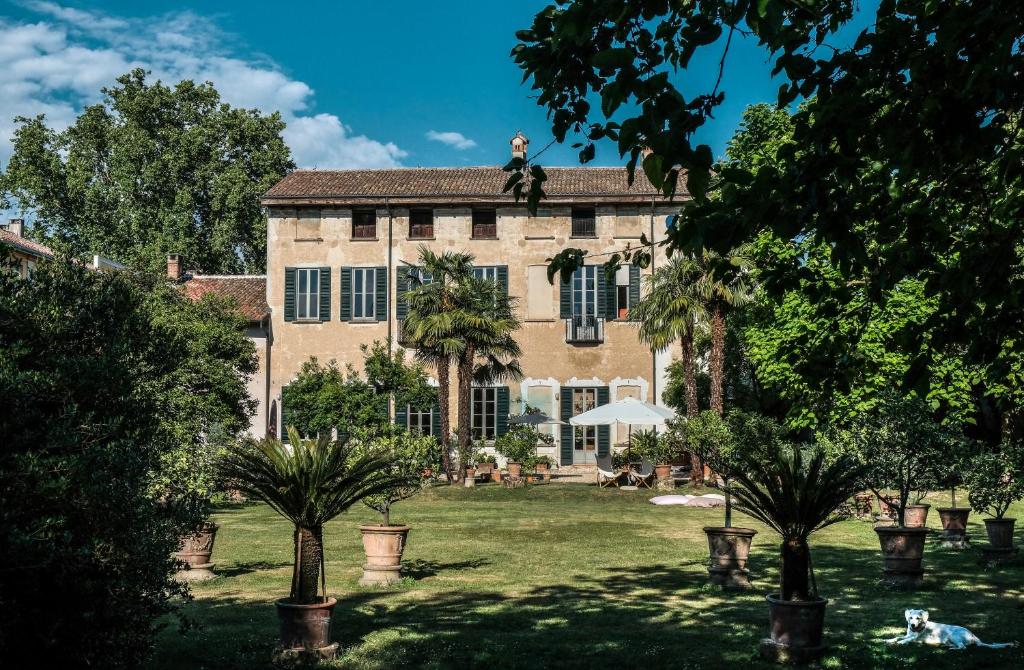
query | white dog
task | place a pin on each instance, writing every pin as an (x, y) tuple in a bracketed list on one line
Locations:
[(920, 629)]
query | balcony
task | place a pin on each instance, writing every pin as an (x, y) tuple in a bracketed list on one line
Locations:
[(584, 330)]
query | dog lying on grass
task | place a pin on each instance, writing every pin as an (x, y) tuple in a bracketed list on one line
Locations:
[(920, 629)]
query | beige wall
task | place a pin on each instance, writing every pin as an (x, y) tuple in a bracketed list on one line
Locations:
[(259, 383), (523, 244)]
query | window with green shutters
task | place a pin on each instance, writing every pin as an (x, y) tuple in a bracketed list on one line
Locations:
[(403, 284), (577, 442), (495, 273), (489, 412), (364, 294), (307, 294)]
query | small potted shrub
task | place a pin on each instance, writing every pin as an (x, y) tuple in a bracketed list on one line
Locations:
[(308, 482), (795, 494), (995, 481), (725, 445), (901, 447), (518, 446), (542, 464), (406, 454), (658, 449), (954, 518)]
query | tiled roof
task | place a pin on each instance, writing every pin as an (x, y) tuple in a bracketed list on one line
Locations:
[(24, 244), (249, 291), (454, 184)]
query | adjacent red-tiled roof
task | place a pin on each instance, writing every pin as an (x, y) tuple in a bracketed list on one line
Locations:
[(249, 291), (24, 244), (454, 184)]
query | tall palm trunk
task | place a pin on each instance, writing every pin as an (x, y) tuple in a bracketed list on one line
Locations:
[(309, 555), (690, 376), (444, 377), (465, 382), (794, 577), (717, 363)]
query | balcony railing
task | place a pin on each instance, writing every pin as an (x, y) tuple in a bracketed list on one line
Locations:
[(584, 330)]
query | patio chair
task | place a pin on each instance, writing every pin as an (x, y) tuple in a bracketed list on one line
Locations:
[(606, 474), (645, 475)]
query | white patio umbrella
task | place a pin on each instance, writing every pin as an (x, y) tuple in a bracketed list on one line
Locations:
[(629, 411)]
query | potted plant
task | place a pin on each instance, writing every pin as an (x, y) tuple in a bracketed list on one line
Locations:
[(542, 464), (308, 482), (726, 444), (471, 459), (407, 454), (995, 481), (795, 494), (954, 519), (658, 449), (901, 447), (519, 446)]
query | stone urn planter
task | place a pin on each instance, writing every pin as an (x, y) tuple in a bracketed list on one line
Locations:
[(916, 516), (497, 476), (383, 546), (729, 549), (795, 630), (514, 469), (1000, 539), (470, 480), (196, 550), (902, 551), (305, 631)]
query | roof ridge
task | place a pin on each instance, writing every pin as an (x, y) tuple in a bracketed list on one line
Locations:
[(198, 276)]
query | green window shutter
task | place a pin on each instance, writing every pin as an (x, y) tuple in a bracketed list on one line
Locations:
[(401, 288), (603, 432), (402, 416), (501, 420), (325, 294), (634, 285), (284, 414), (605, 295), (502, 274), (289, 294), (564, 299), (381, 305), (435, 420), (346, 294), (566, 431)]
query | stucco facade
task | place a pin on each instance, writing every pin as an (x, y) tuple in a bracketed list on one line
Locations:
[(313, 230)]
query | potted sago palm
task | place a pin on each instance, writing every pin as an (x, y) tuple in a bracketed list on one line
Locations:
[(309, 482), (407, 454), (725, 445), (796, 494), (995, 481)]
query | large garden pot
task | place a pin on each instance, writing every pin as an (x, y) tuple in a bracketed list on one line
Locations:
[(196, 550), (902, 551), (916, 516), (795, 630), (662, 472), (729, 549), (1000, 539), (954, 520), (514, 469), (497, 475), (470, 480), (306, 629), (542, 468), (383, 546)]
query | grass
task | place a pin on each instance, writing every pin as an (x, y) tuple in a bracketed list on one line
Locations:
[(570, 576)]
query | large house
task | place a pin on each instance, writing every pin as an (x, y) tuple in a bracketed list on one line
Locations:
[(339, 246)]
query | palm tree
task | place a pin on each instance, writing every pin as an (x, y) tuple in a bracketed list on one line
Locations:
[(308, 482), (433, 296)]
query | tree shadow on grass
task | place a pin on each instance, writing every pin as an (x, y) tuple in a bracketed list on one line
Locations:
[(421, 569), (654, 616), (239, 569)]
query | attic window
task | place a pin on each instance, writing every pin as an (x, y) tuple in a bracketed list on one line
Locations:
[(485, 224), (364, 224), (421, 224)]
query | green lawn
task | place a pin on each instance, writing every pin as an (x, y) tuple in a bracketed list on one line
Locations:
[(570, 576)]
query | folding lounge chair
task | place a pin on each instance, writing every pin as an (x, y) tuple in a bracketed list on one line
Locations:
[(645, 475), (606, 474)]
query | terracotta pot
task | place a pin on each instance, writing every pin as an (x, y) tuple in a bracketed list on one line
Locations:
[(886, 508), (531, 478), (497, 475), (916, 516), (954, 520), (729, 549), (514, 469), (383, 546), (863, 503), (1000, 533), (428, 473), (795, 629), (662, 472), (196, 550), (902, 551), (305, 626), (470, 480)]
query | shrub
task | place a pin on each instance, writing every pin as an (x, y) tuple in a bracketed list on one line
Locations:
[(995, 479), (519, 444), (657, 448), (408, 455)]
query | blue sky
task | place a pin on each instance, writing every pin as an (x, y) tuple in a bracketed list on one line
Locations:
[(360, 84)]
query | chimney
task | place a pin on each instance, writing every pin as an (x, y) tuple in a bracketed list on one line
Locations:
[(174, 266), (17, 226), (519, 143)]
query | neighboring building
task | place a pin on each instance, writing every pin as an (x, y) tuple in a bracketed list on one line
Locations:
[(250, 294), (25, 253), (338, 241)]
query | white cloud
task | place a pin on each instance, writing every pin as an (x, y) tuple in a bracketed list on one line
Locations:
[(452, 139), (58, 64)]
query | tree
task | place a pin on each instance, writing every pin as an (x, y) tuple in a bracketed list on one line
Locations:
[(408, 455), (107, 379), (909, 144), (152, 170), (996, 479), (322, 399)]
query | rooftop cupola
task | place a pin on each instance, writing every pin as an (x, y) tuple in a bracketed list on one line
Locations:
[(519, 143)]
